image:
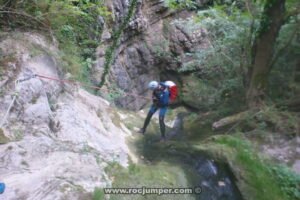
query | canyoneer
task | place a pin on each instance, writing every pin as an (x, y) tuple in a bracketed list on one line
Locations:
[(160, 97)]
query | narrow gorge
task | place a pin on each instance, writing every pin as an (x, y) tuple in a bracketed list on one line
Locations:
[(232, 133)]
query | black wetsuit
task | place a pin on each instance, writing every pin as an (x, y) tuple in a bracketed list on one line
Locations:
[(160, 101)]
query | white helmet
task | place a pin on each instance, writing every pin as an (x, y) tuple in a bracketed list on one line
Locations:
[(169, 83), (153, 84)]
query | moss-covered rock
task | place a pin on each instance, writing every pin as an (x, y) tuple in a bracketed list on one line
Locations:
[(3, 138), (196, 93), (159, 175), (254, 173)]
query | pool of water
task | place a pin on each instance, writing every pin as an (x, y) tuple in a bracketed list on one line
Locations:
[(214, 178)]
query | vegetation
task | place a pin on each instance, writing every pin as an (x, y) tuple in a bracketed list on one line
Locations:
[(98, 194), (159, 175), (262, 175), (76, 24), (250, 62), (177, 4), (116, 35), (3, 138), (234, 29)]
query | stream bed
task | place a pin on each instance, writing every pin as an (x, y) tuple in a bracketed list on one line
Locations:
[(215, 179)]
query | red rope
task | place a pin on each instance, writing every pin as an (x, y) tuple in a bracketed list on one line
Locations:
[(94, 87)]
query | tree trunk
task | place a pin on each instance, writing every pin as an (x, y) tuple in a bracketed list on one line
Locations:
[(271, 22)]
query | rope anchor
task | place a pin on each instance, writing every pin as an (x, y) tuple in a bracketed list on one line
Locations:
[(15, 95), (26, 79)]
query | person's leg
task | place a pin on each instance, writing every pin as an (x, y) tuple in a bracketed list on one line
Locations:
[(162, 126), (148, 118)]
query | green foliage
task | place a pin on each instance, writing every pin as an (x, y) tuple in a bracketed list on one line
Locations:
[(34, 51), (3, 138), (74, 23), (116, 36), (98, 194), (265, 22), (130, 126), (289, 181), (86, 147), (268, 120), (201, 90), (276, 120), (176, 4), (113, 93), (160, 49), (227, 58), (18, 134), (160, 174), (227, 30), (283, 77), (2, 92)]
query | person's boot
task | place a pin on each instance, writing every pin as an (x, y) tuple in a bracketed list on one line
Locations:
[(142, 131), (147, 120)]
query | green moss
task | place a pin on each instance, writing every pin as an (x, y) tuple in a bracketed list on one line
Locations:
[(34, 99), (111, 96), (258, 177), (2, 91), (63, 188), (271, 120), (34, 51), (75, 25), (130, 126), (115, 118), (132, 120), (197, 127), (86, 147), (3, 138), (116, 36), (260, 80), (102, 118), (266, 21), (18, 134), (198, 93), (159, 175), (255, 173), (98, 194), (289, 181), (5, 67)]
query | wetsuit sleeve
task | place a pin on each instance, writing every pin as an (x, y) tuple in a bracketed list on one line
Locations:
[(155, 96)]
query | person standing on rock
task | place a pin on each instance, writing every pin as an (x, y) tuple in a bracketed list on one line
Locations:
[(160, 97)]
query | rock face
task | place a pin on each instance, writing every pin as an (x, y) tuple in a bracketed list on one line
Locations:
[(60, 137), (152, 47)]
